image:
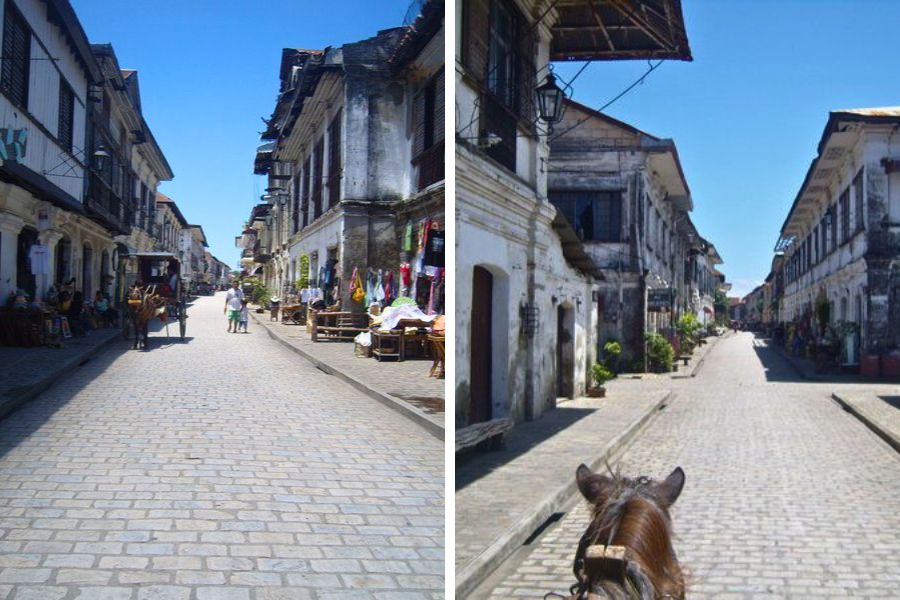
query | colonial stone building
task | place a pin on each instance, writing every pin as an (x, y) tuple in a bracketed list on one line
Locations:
[(525, 283), (841, 237), (135, 167), (624, 194), (354, 159)]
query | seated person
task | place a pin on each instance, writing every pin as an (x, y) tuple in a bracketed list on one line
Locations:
[(78, 321), (102, 310)]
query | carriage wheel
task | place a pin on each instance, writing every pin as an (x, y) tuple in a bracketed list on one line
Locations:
[(182, 318)]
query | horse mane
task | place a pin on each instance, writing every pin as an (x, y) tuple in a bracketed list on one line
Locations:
[(632, 517)]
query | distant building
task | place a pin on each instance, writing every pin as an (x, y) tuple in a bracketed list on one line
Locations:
[(354, 158), (841, 237)]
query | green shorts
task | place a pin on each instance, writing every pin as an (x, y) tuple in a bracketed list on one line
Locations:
[(234, 315)]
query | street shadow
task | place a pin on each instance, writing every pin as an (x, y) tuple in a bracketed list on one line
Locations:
[(781, 367), (776, 366), (891, 400), (27, 418), (474, 464)]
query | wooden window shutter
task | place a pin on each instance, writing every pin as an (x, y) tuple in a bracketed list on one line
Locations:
[(525, 74), (439, 107), (334, 161), (304, 191), (295, 203), (16, 56), (476, 23), (318, 155), (66, 115), (418, 124)]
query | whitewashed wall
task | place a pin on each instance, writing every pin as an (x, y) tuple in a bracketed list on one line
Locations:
[(43, 153)]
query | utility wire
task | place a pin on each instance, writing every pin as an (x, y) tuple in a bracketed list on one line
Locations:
[(636, 82)]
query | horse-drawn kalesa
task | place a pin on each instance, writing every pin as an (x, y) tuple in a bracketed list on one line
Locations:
[(157, 293), (626, 553)]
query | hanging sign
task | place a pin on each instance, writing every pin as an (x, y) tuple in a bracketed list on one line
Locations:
[(660, 299), (12, 143)]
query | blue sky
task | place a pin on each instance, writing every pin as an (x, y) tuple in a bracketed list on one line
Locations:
[(747, 113), (208, 71)]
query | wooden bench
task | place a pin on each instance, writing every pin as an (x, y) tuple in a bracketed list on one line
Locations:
[(492, 430), (684, 359), (341, 326)]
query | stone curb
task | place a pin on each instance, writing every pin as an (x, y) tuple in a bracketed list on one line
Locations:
[(410, 412), (700, 362), (887, 436), (9, 404), (473, 574)]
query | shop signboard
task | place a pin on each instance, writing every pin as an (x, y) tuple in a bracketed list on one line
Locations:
[(660, 299)]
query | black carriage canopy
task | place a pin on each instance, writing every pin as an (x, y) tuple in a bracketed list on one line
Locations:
[(154, 267)]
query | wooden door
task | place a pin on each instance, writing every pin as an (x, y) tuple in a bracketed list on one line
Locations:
[(560, 336), (481, 346)]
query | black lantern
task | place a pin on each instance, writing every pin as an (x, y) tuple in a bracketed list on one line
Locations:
[(100, 157), (550, 101)]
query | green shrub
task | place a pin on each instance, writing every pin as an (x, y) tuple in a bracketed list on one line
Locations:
[(601, 374), (612, 351), (303, 280), (660, 353), (260, 295)]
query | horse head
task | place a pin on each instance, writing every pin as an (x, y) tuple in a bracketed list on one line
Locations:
[(626, 553)]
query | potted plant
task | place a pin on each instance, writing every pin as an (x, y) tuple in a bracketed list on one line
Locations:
[(600, 374), (612, 352), (660, 353)]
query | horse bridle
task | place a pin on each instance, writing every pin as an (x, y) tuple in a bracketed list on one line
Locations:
[(582, 589)]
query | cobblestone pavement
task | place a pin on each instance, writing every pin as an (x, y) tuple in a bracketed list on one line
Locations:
[(407, 380), (881, 406), (489, 499), (25, 367), (222, 467), (787, 495)]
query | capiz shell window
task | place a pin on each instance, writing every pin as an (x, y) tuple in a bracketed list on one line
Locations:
[(594, 216)]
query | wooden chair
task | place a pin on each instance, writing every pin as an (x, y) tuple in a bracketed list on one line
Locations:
[(437, 349)]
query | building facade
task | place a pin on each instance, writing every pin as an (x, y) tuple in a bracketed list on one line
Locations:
[(841, 238), (624, 194), (46, 155), (536, 288), (354, 162)]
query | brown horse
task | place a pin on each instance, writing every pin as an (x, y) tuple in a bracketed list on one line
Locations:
[(626, 552)]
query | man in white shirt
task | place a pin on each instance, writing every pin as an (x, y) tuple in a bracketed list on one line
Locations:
[(233, 306)]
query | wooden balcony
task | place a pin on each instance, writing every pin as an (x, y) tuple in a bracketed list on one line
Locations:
[(105, 207), (431, 165)]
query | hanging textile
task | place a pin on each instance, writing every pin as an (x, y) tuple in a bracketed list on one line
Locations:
[(370, 288), (357, 293), (405, 279), (434, 249), (379, 289), (388, 288), (407, 237)]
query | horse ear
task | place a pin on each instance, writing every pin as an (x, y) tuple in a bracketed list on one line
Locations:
[(670, 489), (593, 487)]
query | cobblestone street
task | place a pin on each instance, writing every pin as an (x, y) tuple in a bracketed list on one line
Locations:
[(787, 495), (223, 467)]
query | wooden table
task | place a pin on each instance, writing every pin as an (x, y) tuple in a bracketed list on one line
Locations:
[(339, 325)]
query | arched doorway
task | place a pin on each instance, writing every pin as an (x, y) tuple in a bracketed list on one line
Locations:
[(565, 352), (105, 277), (25, 280), (481, 346), (87, 270), (63, 262)]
